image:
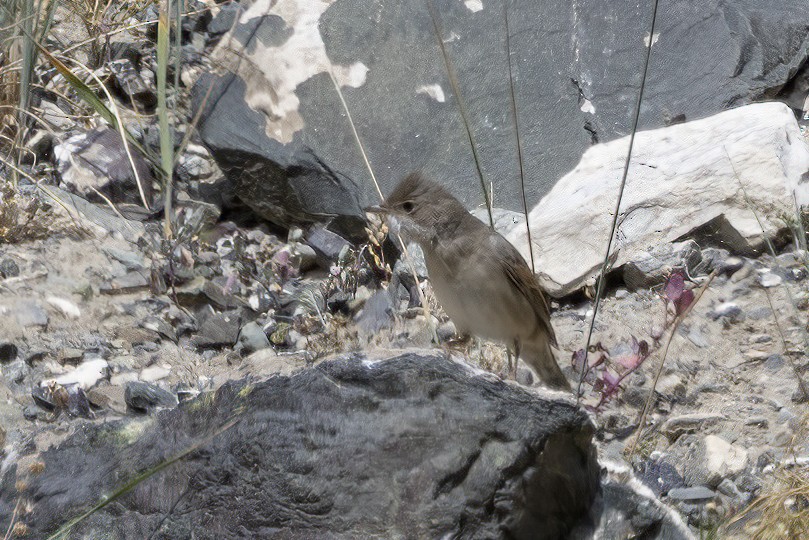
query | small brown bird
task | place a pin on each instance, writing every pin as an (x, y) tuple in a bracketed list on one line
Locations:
[(480, 279)]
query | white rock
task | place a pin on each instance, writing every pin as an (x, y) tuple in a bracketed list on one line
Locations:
[(769, 279), (714, 459), (68, 308), (86, 374), (154, 373), (681, 177)]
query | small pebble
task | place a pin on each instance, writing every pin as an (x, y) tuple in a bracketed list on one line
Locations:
[(693, 493), (774, 362), (769, 279), (726, 309)]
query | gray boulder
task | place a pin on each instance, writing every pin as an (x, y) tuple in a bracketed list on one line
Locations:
[(415, 446)]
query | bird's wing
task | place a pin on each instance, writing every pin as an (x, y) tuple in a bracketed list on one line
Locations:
[(518, 271)]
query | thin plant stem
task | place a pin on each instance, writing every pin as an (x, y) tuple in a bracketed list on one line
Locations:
[(517, 134), (794, 304), (602, 278), (119, 125), (129, 486), (407, 257), (453, 81), (356, 135), (13, 520), (166, 143), (674, 328)]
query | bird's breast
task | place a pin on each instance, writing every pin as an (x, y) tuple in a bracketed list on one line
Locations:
[(478, 297)]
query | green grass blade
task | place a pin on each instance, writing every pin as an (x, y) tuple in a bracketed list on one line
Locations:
[(89, 96)]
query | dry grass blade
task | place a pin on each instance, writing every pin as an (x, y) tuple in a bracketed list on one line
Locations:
[(780, 514), (412, 267), (793, 303), (166, 143), (602, 278), (517, 135), (674, 328), (85, 92), (129, 486), (13, 520), (126, 138), (453, 81), (356, 135)]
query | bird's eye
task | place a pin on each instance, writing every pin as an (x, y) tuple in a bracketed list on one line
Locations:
[(408, 206)]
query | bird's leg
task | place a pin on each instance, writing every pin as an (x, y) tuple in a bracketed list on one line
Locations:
[(517, 349), (508, 355)]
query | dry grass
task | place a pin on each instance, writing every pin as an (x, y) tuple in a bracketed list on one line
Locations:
[(22, 218), (781, 512)]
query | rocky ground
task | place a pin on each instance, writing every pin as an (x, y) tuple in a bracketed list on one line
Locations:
[(96, 327)]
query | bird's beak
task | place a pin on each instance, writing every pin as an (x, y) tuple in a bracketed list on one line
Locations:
[(376, 210)]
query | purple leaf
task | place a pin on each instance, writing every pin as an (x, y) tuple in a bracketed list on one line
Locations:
[(610, 379), (675, 286), (685, 300)]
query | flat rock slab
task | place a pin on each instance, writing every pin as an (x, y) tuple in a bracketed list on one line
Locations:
[(717, 180), (415, 446)]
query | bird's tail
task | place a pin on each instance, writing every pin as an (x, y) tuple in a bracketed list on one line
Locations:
[(538, 354)]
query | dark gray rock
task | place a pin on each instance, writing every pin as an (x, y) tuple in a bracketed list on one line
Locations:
[(660, 476), (252, 338), (132, 260), (9, 268), (327, 244), (8, 352), (129, 283), (97, 161), (415, 446), (223, 22), (219, 330), (200, 291), (403, 272), (652, 267), (130, 86), (159, 325), (576, 68), (715, 259), (627, 509), (774, 362), (144, 397)]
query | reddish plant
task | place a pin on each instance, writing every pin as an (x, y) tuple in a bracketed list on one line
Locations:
[(606, 374)]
